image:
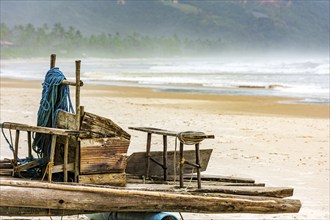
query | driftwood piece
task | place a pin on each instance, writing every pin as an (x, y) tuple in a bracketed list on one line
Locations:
[(219, 178), (250, 191), (136, 162), (103, 155), (101, 127), (76, 197), (111, 179)]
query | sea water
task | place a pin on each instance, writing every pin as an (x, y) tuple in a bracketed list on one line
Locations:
[(305, 79)]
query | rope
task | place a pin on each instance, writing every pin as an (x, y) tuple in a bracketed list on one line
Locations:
[(191, 137), (188, 138), (55, 97), (48, 167)]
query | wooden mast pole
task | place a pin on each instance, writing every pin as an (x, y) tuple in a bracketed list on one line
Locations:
[(78, 62), (52, 60)]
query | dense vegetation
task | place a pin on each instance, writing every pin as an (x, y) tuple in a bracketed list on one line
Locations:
[(27, 40), (163, 27)]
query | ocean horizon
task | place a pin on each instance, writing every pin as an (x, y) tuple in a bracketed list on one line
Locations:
[(304, 79)]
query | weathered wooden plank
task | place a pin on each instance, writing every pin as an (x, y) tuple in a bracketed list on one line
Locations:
[(6, 172), (169, 133), (27, 166), (220, 178), (136, 162), (112, 179), (38, 129), (66, 120), (60, 168), (6, 165), (189, 183), (103, 155), (5, 160), (278, 192), (76, 197), (101, 127)]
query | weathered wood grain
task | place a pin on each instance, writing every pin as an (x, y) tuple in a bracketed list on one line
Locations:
[(103, 155), (111, 179), (101, 127), (136, 162), (77, 197)]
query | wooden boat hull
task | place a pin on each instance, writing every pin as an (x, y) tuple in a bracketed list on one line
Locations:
[(83, 198)]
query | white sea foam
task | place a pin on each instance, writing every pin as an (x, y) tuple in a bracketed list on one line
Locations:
[(308, 79)]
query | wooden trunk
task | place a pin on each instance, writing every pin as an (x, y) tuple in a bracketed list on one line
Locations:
[(87, 198), (103, 155)]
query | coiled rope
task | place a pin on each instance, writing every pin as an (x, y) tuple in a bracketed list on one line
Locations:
[(188, 138), (191, 137), (55, 97)]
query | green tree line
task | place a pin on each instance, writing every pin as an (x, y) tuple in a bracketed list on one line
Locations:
[(28, 41)]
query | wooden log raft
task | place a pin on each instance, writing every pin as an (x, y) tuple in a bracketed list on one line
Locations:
[(87, 198)]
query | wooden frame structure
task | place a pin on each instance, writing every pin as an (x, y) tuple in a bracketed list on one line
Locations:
[(163, 165), (54, 132)]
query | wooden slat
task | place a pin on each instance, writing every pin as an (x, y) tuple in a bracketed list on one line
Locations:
[(6, 165), (136, 162), (27, 166), (101, 127), (52, 155), (111, 179), (220, 178), (103, 155), (65, 159), (38, 129), (60, 168), (66, 120), (6, 172), (66, 82), (167, 132)]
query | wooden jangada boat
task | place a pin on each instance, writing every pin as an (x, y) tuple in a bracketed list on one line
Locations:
[(88, 150)]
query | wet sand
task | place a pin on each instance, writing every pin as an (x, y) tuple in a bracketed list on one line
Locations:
[(268, 139)]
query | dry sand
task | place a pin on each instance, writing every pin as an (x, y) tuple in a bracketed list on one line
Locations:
[(256, 137)]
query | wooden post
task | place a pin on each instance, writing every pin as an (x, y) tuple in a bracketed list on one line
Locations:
[(29, 144), (52, 154), (52, 60), (78, 62), (199, 180), (181, 165), (165, 156), (148, 155), (16, 147), (76, 172), (65, 164)]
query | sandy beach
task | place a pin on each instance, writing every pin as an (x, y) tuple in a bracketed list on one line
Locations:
[(271, 140)]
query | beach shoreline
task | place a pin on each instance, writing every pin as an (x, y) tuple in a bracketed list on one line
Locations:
[(257, 137)]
